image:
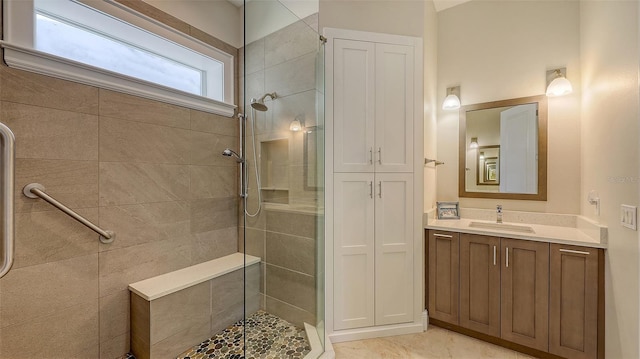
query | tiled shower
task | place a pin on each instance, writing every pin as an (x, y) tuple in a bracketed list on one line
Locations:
[(152, 172)]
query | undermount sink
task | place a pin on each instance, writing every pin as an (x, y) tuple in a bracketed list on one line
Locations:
[(502, 226)]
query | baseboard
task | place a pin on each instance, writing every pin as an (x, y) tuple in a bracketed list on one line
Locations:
[(375, 332)]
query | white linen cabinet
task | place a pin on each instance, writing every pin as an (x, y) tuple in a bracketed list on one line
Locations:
[(376, 184)]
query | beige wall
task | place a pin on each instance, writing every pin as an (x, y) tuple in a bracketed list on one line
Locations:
[(218, 18), (431, 105), (610, 161), (149, 171), (498, 50), (399, 17)]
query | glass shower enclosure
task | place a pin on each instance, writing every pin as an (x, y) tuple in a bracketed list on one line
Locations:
[(281, 95)]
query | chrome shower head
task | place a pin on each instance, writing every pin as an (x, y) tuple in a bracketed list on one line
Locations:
[(231, 153), (259, 104)]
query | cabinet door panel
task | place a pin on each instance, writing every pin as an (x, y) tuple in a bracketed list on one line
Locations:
[(573, 310), (394, 248), (444, 275), (480, 283), (353, 250), (525, 293), (394, 115), (354, 106)]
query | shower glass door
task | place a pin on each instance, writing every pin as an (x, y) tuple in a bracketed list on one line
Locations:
[(282, 96)]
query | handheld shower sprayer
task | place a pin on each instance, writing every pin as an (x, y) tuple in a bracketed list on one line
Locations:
[(231, 153)]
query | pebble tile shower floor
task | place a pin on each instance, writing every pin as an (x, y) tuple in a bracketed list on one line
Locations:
[(268, 337)]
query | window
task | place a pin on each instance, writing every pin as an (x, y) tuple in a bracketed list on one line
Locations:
[(104, 44)]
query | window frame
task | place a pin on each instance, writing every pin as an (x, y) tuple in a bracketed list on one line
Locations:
[(20, 53)]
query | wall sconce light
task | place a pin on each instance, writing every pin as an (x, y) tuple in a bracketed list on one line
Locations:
[(452, 101), (474, 142), (482, 155), (296, 125), (557, 83)]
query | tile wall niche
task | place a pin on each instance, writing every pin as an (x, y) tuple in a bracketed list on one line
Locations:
[(285, 62), (150, 171)]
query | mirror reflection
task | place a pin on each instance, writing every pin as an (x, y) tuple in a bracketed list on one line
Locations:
[(501, 147)]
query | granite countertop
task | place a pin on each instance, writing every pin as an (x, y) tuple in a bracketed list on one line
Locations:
[(580, 235)]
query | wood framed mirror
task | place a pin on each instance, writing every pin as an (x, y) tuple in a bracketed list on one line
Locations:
[(508, 159)]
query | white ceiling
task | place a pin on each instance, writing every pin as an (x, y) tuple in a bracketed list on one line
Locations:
[(439, 4)]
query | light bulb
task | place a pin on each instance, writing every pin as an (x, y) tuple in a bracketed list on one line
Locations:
[(295, 126), (560, 86), (451, 102)]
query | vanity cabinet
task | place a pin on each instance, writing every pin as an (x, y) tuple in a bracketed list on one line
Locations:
[(480, 283), (576, 302), (541, 298), (525, 293), (444, 275)]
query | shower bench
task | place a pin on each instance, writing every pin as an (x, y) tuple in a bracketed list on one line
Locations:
[(174, 311)]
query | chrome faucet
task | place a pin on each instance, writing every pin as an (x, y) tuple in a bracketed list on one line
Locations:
[(499, 213)]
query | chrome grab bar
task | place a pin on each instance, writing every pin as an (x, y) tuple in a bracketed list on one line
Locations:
[(8, 142), (35, 190)]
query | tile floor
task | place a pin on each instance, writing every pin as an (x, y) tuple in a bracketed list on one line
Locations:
[(434, 343), (268, 337)]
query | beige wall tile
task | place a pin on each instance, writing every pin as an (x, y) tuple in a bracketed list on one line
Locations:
[(44, 237), (210, 214), (253, 86), (255, 242), (36, 291), (148, 222), (52, 134), (291, 252), (214, 244), (172, 346), (39, 90), (74, 183), (140, 326), (68, 333), (258, 222), (293, 315), (131, 183), (123, 266), (115, 347), (254, 56), (289, 43), (179, 311), (213, 181), (209, 122), (226, 291), (293, 76), (130, 141), (128, 107), (297, 224), (206, 149), (114, 315), (291, 287), (222, 320)]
